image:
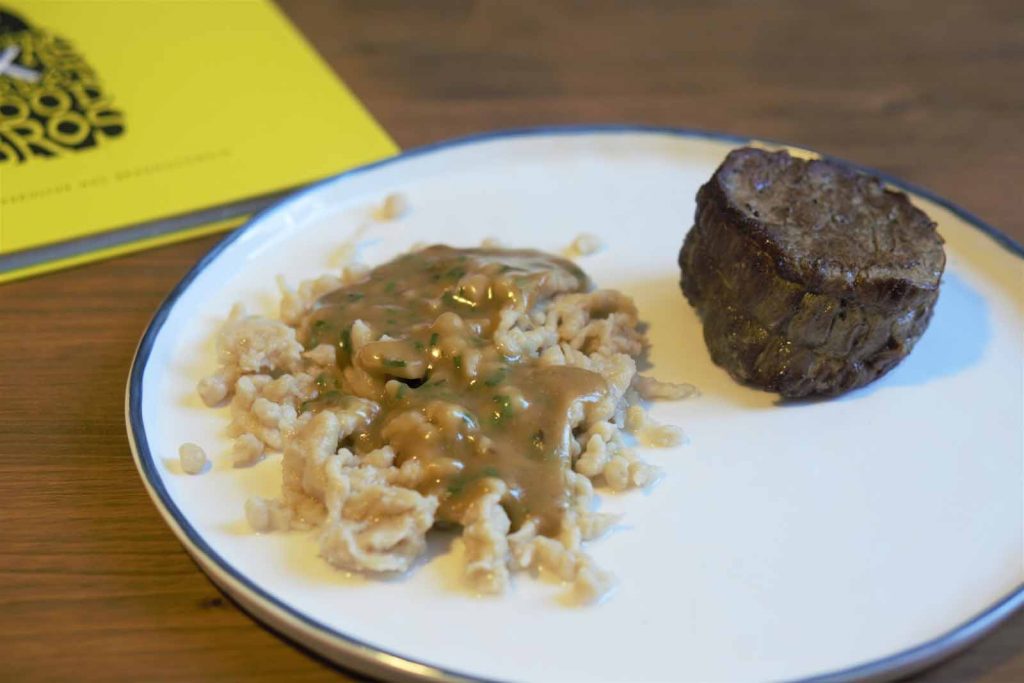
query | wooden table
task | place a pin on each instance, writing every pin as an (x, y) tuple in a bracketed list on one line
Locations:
[(94, 586)]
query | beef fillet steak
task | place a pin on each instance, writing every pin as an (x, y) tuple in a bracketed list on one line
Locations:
[(810, 278)]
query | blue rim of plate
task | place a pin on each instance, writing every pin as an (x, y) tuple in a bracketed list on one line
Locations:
[(367, 658)]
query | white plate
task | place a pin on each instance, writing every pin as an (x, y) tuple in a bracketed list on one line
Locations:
[(865, 535)]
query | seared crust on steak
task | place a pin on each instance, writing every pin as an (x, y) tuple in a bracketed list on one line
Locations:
[(810, 278)]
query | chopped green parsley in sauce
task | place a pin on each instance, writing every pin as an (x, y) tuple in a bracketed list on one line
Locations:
[(449, 396)]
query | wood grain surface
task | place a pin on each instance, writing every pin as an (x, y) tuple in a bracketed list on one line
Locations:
[(93, 586)]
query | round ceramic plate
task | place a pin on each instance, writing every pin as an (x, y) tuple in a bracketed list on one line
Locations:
[(856, 537)]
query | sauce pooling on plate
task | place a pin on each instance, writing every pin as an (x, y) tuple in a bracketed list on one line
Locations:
[(427, 336)]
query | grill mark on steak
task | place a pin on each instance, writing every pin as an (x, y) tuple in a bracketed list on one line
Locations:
[(810, 278)]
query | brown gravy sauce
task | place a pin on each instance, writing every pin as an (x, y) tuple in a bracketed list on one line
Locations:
[(449, 398)]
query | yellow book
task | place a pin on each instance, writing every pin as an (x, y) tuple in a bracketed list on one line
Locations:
[(125, 124)]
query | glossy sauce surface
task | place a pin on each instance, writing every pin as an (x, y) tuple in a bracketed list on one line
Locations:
[(452, 397)]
